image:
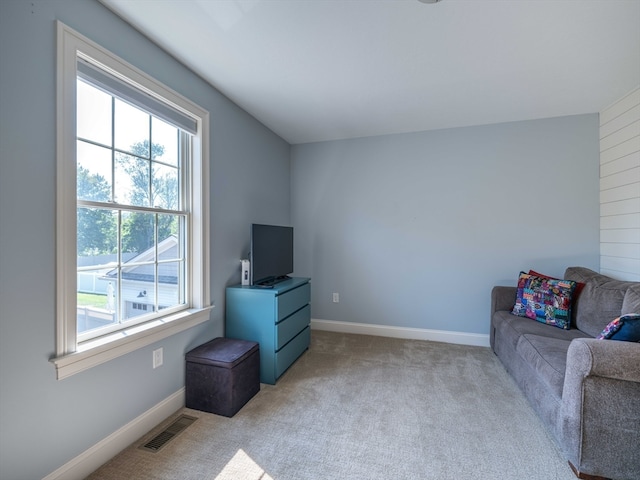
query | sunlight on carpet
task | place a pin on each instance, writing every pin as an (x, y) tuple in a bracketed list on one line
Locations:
[(242, 467)]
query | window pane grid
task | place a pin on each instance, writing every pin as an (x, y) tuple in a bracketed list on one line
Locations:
[(141, 189), (124, 152)]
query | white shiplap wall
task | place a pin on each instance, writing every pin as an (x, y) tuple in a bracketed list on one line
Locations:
[(620, 188)]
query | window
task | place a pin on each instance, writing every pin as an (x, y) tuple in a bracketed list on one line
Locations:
[(132, 238)]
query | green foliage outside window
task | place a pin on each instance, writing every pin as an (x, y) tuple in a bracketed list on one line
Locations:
[(97, 228)]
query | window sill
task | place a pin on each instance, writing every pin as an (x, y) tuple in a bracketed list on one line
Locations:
[(96, 352)]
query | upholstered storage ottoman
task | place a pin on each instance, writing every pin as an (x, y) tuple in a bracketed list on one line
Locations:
[(222, 375)]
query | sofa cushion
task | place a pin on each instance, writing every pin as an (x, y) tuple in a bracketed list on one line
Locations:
[(547, 357), (546, 300), (625, 328), (584, 275), (600, 301), (511, 327), (631, 302)]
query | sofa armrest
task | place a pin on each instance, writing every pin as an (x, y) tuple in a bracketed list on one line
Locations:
[(502, 298), (604, 358), (601, 407)]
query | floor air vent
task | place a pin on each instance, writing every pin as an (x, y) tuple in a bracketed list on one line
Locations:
[(168, 434)]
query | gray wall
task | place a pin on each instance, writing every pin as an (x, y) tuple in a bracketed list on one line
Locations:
[(46, 422), (413, 230)]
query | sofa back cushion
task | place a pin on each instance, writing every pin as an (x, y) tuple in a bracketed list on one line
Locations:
[(600, 301), (631, 302)]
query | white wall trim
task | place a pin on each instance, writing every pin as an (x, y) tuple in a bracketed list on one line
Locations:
[(103, 451), (125, 341), (73, 353), (461, 338)]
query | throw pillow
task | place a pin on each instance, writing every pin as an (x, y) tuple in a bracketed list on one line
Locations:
[(625, 328), (547, 300), (576, 292)]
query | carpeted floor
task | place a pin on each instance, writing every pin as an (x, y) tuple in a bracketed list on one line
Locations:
[(363, 407)]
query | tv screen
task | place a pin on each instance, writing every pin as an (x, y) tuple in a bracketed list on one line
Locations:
[(271, 253)]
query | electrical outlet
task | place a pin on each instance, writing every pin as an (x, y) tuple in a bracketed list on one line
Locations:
[(157, 357), (336, 297)]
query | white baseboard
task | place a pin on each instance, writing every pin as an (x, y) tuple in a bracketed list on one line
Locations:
[(461, 338), (103, 451)]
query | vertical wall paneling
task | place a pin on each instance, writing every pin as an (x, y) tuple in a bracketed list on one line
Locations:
[(620, 188)]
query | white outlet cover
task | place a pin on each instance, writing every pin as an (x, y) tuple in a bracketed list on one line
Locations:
[(157, 358)]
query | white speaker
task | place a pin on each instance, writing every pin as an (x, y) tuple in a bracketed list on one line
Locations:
[(246, 272)]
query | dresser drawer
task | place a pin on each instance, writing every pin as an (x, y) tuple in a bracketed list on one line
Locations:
[(292, 300), (277, 318), (292, 350), (291, 326)]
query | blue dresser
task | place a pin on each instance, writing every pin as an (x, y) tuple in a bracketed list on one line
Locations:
[(277, 318)]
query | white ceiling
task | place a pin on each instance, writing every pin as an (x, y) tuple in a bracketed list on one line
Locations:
[(314, 70)]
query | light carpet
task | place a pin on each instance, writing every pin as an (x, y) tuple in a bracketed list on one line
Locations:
[(364, 407)]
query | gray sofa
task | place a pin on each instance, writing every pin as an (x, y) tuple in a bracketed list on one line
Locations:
[(585, 391)]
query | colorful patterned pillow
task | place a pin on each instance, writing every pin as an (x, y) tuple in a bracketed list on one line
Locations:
[(546, 300), (576, 292), (574, 295), (625, 328)]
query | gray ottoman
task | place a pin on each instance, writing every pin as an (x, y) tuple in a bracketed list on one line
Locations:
[(222, 375)]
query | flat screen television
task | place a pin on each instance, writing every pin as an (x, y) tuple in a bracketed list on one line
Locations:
[(271, 254)]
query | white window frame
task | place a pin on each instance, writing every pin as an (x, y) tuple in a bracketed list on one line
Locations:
[(71, 356)]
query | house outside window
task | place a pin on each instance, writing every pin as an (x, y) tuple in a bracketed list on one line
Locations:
[(132, 238)]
